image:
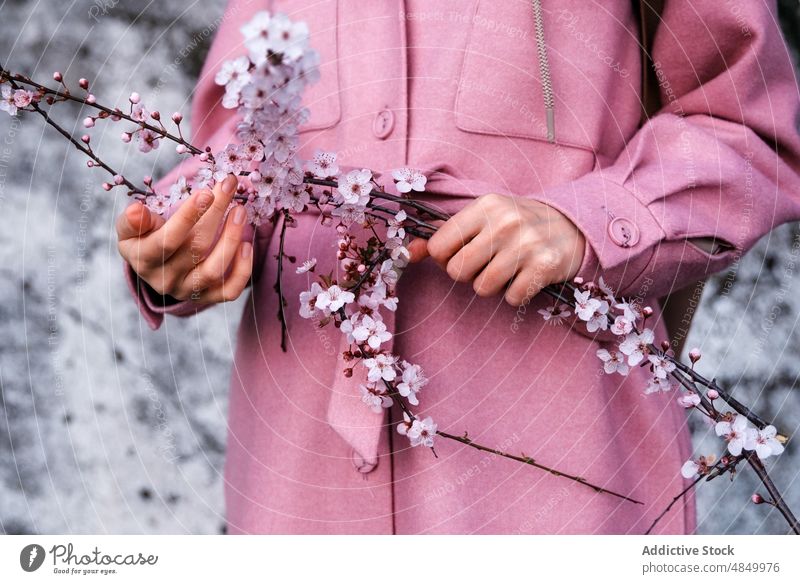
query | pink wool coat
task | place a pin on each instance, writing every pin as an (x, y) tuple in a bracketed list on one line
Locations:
[(455, 88)]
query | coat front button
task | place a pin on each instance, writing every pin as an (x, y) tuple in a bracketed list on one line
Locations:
[(623, 232), (383, 124), (362, 465)]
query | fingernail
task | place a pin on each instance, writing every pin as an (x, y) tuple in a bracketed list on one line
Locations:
[(229, 184), (203, 200), (247, 248), (238, 215)]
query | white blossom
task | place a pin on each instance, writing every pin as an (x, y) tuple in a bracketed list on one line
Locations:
[(307, 266), (376, 399), (408, 179), (356, 186), (635, 346), (737, 434), (422, 432), (555, 313), (662, 366), (323, 165), (381, 366), (764, 442), (613, 362), (413, 380), (334, 298), (372, 331), (308, 300)]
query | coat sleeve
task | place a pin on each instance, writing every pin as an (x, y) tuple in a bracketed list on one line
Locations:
[(712, 172), (213, 126)]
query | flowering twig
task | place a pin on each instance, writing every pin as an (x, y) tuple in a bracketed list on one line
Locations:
[(265, 87)]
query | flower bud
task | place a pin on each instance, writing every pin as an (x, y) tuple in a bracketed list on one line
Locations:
[(90, 163), (90, 98), (107, 186), (148, 180), (757, 499), (361, 268), (204, 157), (712, 394), (83, 82), (181, 149), (134, 98), (647, 311), (665, 346), (255, 176), (694, 355), (155, 115), (88, 122), (125, 137), (118, 179), (348, 372), (177, 117), (578, 280), (58, 77), (85, 138)]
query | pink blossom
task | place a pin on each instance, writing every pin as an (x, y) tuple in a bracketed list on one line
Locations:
[(376, 398), (737, 434), (658, 384), (323, 165), (308, 300), (413, 380), (7, 103), (395, 225), (662, 366), (690, 469), (613, 362), (234, 73), (555, 314), (334, 298), (381, 366), (689, 400), (23, 98), (372, 331), (408, 179), (422, 432), (635, 346), (356, 187), (764, 442), (307, 266), (148, 141), (622, 326), (179, 191)]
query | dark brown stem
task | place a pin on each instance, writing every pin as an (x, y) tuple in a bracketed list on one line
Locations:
[(715, 472), (379, 194), (777, 500), (528, 460), (467, 441), (111, 112), (279, 282)]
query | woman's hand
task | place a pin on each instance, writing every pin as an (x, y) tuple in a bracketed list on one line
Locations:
[(500, 242), (179, 257)]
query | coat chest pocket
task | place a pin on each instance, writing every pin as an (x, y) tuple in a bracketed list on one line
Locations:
[(321, 98), (500, 88)]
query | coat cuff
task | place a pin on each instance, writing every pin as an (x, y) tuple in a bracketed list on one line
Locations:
[(154, 306), (621, 233)]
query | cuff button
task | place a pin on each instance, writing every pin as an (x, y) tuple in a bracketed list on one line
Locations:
[(623, 232)]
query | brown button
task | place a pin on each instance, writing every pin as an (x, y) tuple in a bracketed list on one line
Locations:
[(362, 465), (623, 232), (383, 124)]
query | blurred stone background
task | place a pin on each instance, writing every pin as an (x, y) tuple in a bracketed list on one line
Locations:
[(106, 427)]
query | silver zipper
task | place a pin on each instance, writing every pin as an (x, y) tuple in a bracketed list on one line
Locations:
[(544, 71)]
